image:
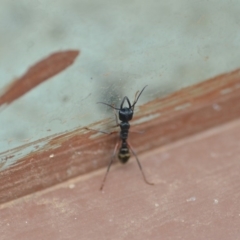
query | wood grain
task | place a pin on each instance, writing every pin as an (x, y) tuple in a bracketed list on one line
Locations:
[(166, 120), (196, 196)]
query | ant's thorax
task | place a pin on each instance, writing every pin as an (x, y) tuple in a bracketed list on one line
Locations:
[(124, 130)]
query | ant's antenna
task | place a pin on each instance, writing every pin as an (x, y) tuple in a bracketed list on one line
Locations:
[(137, 97), (133, 105), (109, 105)]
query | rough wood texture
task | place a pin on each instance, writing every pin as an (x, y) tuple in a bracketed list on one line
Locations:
[(181, 114), (196, 196)]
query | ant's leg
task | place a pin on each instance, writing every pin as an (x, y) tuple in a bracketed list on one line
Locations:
[(96, 130), (117, 124), (138, 131), (100, 131), (109, 165), (115, 114), (139, 164), (116, 118)]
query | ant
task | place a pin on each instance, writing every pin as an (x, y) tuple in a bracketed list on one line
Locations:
[(125, 115)]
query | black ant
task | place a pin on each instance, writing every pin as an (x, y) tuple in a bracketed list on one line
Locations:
[(125, 115)]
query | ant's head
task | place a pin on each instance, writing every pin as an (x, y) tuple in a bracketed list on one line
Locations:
[(126, 113)]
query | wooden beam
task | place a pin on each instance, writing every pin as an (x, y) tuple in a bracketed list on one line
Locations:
[(183, 113)]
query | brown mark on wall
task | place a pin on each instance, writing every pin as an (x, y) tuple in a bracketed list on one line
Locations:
[(38, 73)]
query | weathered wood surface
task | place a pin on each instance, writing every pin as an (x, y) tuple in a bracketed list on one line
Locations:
[(181, 114), (196, 196)]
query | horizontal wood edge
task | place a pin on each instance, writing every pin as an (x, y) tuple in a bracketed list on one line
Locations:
[(183, 113)]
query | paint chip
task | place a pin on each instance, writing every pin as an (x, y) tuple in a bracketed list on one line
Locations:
[(237, 85), (226, 91), (191, 199), (216, 107), (71, 186), (213, 155), (183, 106)]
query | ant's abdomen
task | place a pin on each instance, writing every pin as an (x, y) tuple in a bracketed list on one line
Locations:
[(124, 155)]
